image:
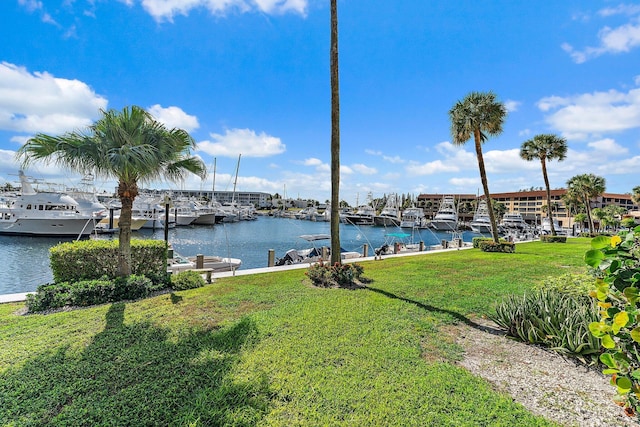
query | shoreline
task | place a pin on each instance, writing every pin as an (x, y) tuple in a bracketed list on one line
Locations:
[(19, 297)]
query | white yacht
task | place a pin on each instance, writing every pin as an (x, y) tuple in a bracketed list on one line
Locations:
[(38, 213), (390, 214), (514, 221), (413, 217), (481, 222), (447, 217)]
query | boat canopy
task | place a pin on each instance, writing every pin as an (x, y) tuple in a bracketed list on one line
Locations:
[(314, 237)]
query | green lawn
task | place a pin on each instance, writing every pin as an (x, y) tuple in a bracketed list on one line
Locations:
[(271, 350)]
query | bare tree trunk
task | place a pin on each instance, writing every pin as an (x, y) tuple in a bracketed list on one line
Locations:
[(548, 187), (485, 186), (335, 138), (127, 194)]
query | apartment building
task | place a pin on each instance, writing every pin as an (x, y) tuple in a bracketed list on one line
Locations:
[(528, 203)]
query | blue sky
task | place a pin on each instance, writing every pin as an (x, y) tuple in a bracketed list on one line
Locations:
[(251, 77)]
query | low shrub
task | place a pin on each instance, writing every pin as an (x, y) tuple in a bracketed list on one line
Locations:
[(326, 275), (553, 319), (186, 280), (548, 238), (574, 284), (90, 292), (491, 246)]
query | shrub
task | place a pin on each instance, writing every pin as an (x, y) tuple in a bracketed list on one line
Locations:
[(326, 275), (89, 292), (548, 238), (573, 284), (491, 246), (618, 296), (94, 259), (186, 280), (552, 319)]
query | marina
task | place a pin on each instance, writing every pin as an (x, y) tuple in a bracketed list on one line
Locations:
[(26, 258)]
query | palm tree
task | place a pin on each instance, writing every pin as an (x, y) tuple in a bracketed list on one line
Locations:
[(478, 115), (635, 195), (128, 145), (584, 188), (335, 138), (545, 147)]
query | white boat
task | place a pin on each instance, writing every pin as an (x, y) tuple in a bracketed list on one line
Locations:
[(481, 222), (44, 213), (314, 253), (364, 215), (413, 217), (447, 217), (396, 243), (390, 214), (545, 228), (217, 263), (513, 221), (149, 207), (111, 224)]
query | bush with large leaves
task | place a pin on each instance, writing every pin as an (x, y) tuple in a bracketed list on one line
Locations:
[(618, 294)]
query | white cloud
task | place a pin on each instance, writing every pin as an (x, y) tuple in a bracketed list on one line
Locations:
[(40, 102), (165, 10), (312, 162), (620, 39), (465, 182), (524, 132), (364, 169), (395, 159), (608, 146), (622, 9), (506, 161), (430, 168), (174, 117), (579, 116), (511, 105), (379, 153), (242, 141)]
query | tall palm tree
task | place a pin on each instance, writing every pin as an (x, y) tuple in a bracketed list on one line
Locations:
[(545, 147), (335, 138), (478, 115), (128, 145), (584, 188)]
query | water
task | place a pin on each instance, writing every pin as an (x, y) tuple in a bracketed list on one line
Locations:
[(25, 260)]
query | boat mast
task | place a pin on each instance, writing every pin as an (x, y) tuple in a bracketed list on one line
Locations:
[(233, 198), (213, 186)]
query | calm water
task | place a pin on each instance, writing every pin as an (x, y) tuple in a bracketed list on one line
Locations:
[(25, 260)]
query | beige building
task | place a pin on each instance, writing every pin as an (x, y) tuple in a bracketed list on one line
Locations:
[(528, 203)]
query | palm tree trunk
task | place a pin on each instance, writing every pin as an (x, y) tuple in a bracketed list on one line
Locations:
[(485, 186), (548, 187), (335, 138), (124, 224), (587, 205)]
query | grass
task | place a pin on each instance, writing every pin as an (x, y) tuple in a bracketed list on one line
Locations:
[(271, 350)]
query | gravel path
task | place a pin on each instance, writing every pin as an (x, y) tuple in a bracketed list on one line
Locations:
[(545, 382)]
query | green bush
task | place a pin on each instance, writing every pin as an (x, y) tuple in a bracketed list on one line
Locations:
[(89, 292), (326, 275), (552, 319), (186, 280), (618, 296), (491, 246), (548, 238), (94, 259), (574, 284)]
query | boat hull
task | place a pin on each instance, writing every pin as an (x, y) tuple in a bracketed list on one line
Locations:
[(54, 227)]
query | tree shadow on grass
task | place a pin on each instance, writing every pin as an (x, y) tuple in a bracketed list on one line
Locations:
[(431, 308), (138, 374)]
